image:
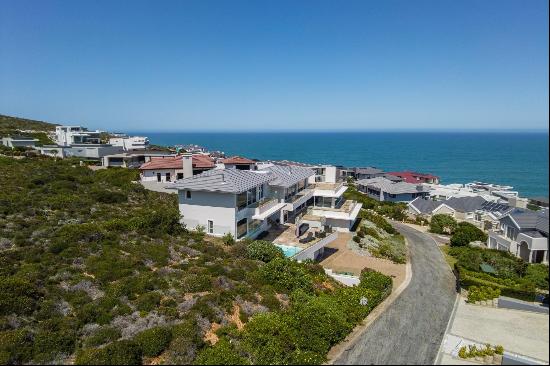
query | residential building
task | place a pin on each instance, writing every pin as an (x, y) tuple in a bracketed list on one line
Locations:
[(133, 159), (414, 177), (476, 210), (76, 135), (523, 233), (245, 202), (238, 162), (19, 141), (383, 189), (171, 168), (362, 173), (129, 143)]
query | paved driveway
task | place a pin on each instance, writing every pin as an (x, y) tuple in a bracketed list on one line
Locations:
[(411, 329)]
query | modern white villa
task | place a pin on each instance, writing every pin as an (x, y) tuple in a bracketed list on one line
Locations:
[(523, 233), (245, 203), (19, 141), (76, 135), (129, 143)]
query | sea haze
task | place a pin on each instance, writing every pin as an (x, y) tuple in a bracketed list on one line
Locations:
[(519, 159)]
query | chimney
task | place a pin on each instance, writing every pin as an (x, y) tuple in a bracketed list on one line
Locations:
[(187, 160)]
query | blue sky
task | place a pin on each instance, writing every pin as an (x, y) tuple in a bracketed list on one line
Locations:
[(253, 65)]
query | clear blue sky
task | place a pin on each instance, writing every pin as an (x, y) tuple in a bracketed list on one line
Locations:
[(251, 65)]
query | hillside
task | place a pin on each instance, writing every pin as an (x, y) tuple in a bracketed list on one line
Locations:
[(96, 270), (13, 125)]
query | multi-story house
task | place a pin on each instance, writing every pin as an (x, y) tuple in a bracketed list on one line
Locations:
[(523, 233), (166, 169), (247, 202), (384, 189), (414, 177), (129, 143), (76, 135)]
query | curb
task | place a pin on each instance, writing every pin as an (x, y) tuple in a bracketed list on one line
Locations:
[(344, 346), (449, 325)]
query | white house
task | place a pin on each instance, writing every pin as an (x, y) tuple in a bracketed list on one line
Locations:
[(76, 135), (19, 141), (166, 169), (130, 142), (523, 233), (247, 202)]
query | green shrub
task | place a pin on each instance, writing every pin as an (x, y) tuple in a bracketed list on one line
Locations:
[(228, 239), (465, 233), (101, 336), (442, 224), (264, 251), (105, 196), (373, 280), (482, 293), (153, 341), (17, 296), (48, 344), (116, 353), (286, 275), (357, 239), (148, 301), (223, 353), (15, 346)]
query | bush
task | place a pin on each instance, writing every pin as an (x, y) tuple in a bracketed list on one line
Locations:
[(153, 341), (101, 336), (442, 224), (228, 239), (116, 353), (17, 296), (148, 301), (465, 233), (357, 239), (286, 275), (15, 346), (373, 280), (482, 293), (379, 221), (223, 353), (264, 251)]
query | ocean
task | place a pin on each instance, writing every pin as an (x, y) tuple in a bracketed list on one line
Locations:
[(516, 159)]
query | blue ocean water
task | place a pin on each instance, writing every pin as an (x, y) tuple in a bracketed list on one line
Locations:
[(516, 159)]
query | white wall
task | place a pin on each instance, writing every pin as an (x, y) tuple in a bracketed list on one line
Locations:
[(151, 175), (204, 206)]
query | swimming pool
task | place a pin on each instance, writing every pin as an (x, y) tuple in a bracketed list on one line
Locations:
[(289, 250)]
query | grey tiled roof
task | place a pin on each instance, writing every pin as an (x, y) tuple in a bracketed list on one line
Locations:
[(368, 170), (224, 180), (288, 175), (390, 187), (465, 204), (424, 206), (528, 219)]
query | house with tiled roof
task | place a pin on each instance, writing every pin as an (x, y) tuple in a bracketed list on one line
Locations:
[(384, 189), (476, 210), (523, 233), (165, 169), (245, 203), (415, 177), (238, 162)]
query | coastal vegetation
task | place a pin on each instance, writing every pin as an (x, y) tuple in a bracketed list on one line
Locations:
[(94, 269), (15, 126), (393, 210), (499, 270)]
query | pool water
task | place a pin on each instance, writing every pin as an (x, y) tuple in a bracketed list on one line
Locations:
[(289, 250)]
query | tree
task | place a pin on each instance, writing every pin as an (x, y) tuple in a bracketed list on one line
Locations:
[(466, 233), (442, 224)]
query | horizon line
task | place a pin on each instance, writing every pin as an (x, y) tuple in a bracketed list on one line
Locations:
[(428, 130)]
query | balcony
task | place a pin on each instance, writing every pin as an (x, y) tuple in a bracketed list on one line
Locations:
[(298, 199), (266, 207), (329, 189), (346, 210)]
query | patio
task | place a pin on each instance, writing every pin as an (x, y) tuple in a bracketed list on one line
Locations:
[(286, 235)]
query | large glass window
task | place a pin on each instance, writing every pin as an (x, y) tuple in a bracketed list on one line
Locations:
[(252, 196), (241, 200), (241, 228), (254, 225)]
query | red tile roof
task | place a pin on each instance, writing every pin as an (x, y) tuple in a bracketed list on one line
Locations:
[(175, 162), (410, 177), (237, 160)]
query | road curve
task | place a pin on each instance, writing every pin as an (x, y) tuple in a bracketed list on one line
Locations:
[(411, 329)]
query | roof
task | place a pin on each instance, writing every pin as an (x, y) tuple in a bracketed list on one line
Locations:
[(496, 207), (410, 177), (367, 170), (465, 204), (175, 162), (424, 206), (390, 187), (528, 219), (288, 175), (237, 160), (224, 180)]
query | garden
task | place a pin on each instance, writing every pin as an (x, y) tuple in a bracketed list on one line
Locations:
[(94, 269)]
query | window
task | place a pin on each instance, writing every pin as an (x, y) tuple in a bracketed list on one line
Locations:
[(511, 233), (188, 194), (180, 176), (159, 177), (241, 200), (261, 192), (252, 196), (210, 227), (168, 177), (241, 228)]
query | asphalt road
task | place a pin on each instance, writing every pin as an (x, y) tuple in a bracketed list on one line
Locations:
[(410, 331)]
